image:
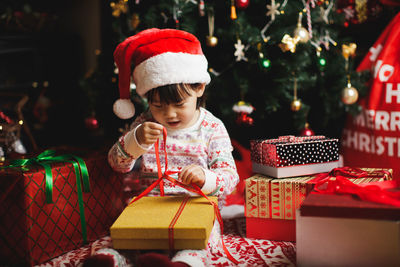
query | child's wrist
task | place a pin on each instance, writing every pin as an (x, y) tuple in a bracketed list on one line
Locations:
[(122, 148), (210, 181)]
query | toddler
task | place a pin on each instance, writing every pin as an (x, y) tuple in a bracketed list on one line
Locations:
[(170, 71)]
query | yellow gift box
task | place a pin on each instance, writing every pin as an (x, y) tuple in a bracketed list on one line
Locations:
[(145, 224)]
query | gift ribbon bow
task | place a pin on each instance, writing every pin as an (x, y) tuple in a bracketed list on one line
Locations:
[(337, 182), (191, 188), (45, 159)]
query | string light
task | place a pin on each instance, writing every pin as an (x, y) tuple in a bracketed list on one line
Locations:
[(266, 63)]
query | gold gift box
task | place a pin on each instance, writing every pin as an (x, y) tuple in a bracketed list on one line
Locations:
[(145, 223)]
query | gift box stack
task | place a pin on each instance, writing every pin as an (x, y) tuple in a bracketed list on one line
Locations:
[(286, 171), (45, 212)]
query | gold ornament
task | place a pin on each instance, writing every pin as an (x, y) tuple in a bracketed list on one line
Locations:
[(135, 21), (349, 50), (211, 41), (295, 105), (349, 94), (119, 7), (300, 32), (289, 43)]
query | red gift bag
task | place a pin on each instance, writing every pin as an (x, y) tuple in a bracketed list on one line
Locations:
[(372, 138)]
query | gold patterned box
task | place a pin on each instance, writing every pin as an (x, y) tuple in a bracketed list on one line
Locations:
[(267, 197)]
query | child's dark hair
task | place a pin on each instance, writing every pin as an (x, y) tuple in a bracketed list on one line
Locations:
[(175, 93)]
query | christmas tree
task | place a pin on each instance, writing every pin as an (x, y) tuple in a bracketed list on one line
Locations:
[(278, 67)]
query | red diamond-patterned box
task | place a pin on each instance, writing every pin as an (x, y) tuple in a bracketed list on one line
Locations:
[(33, 231), (269, 201), (290, 156)]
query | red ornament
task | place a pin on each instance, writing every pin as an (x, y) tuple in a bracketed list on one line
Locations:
[(242, 4), (306, 131), (91, 123), (244, 119)]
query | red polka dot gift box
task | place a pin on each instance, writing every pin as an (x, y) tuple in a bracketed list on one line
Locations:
[(291, 156)]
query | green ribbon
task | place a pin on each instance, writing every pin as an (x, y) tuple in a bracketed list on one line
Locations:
[(45, 159)]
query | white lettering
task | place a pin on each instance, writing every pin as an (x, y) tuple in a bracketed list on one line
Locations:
[(377, 67), (382, 119), (395, 121), (359, 119), (390, 141), (379, 119), (351, 139), (390, 93), (375, 52), (380, 146), (385, 72), (370, 114), (363, 142), (372, 144)]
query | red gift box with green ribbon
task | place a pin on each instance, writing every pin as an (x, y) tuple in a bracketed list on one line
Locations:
[(52, 204)]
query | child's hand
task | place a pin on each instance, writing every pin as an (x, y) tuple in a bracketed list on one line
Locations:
[(148, 133), (192, 174)]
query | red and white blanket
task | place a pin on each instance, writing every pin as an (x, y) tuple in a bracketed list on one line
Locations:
[(248, 251)]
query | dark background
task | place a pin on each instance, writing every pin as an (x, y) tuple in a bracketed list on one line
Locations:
[(48, 48)]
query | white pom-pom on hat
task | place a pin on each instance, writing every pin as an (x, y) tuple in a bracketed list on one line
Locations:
[(124, 108), (160, 57)]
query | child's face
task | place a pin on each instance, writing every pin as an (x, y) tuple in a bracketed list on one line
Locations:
[(176, 116)]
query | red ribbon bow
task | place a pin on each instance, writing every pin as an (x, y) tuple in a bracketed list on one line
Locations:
[(192, 188), (337, 182)]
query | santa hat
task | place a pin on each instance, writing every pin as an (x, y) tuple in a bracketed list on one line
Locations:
[(159, 57)]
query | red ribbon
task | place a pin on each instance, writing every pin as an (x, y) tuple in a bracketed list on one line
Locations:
[(173, 222), (337, 182), (191, 188), (350, 173)]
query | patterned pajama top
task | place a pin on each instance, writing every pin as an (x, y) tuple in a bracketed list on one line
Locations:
[(206, 143)]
